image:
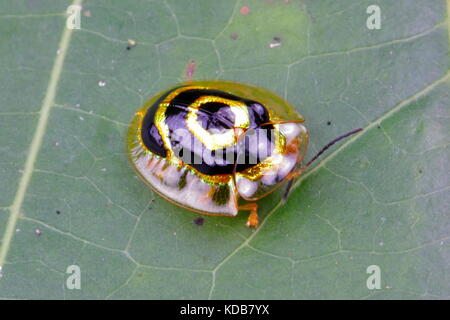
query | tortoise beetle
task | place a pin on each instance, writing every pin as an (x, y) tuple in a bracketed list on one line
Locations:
[(204, 145)]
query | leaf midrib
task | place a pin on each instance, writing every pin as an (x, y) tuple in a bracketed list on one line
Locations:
[(36, 141)]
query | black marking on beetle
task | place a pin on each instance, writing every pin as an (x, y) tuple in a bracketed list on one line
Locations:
[(150, 135), (210, 115), (221, 195), (182, 181)]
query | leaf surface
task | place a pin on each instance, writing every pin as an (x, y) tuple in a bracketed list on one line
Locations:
[(69, 196)]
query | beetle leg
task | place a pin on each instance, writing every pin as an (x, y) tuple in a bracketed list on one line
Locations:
[(294, 174), (252, 220), (290, 178)]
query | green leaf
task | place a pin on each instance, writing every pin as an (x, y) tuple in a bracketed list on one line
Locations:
[(69, 196)]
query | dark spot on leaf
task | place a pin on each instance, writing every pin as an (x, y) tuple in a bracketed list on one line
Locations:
[(276, 42), (199, 221), (328, 123), (234, 36), (58, 212)]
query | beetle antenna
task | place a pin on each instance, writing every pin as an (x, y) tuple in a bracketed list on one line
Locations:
[(329, 144), (318, 154)]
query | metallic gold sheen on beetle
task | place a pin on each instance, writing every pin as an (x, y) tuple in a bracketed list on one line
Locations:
[(216, 147)]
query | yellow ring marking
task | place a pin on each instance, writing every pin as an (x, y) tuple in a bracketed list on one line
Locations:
[(214, 140)]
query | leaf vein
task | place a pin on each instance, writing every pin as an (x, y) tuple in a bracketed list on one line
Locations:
[(36, 141)]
